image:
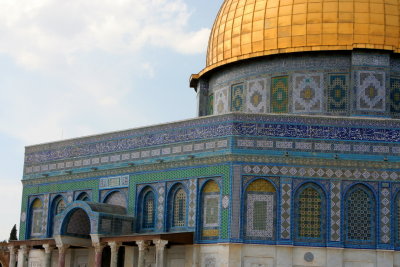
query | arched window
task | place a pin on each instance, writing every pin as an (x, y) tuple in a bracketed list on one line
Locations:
[(310, 213), (148, 210), (260, 210), (359, 215), (116, 198), (179, 212), (83, 197), (210, 210), (36, 218), (58, 207)]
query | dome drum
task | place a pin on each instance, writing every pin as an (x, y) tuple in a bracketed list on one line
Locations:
[(341, 83)]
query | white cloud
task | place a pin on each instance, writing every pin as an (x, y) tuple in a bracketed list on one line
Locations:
[(49, 33), (75, 53)]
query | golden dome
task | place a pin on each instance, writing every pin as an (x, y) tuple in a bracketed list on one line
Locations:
[(252, 28)]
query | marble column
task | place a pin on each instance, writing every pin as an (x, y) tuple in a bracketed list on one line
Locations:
[(23, 253), (98, 251), (160, 252), (62, 250), (114, 253), (47, 255), (13, 257), (142, 245)]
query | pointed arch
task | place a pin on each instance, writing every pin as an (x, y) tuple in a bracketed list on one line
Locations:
[(147, 209), (58, 205), (310, 210), (116, 198), (83, 196), (360, 214), (210, 210), (260, 210), (177, 207)]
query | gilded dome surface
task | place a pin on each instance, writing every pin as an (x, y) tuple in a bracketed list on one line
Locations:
[(252, 28)]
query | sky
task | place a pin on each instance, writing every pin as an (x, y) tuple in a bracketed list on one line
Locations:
[(83, 67)]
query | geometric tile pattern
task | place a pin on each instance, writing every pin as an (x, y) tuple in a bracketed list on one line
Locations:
[(338, 93), (395, 95), (385, 215), (320, 172), (307, 93), (179, 208), (279, 94), (286, 196), (260, 215), (148, 210), (309, 213), (370, 90), (192, 202), (210, 105), (359, 215), (160, 206), (256, 100), (236, 202), (221, 101), (237, 98), (116, 198), (335, 210), (210, 210)]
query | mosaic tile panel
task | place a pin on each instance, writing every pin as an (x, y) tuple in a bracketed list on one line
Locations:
[(179, 217), (236, 202), (280, 94), (286, 196), (385, 201), (116, 198), (160, 205), (338, 93), (335, 210), (221, 104), (210, 105), (320, 172), (395, 95), (370, 91), (256, 98), (237, 98), (148, 210), (359, 211), (307, 93), (309, 220), (260, 215), (192, 202)]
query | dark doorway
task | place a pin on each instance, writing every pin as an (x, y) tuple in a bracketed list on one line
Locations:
[(121, 257), (106, 257)]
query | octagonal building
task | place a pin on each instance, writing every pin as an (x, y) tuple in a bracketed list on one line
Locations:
[(292, 161)]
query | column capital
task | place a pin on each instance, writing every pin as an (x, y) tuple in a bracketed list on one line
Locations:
[(47, 248), (114, 245), (62, 248), (142, 244), (12, 249), (160, 244), (98, 247), (24, 249)]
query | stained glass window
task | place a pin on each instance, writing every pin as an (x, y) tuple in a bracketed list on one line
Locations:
[(359, 214), (148, 210), (309, 213), (260, 201), (180, 208)]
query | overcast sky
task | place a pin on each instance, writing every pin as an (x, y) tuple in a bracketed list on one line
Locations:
[(82, 67)]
